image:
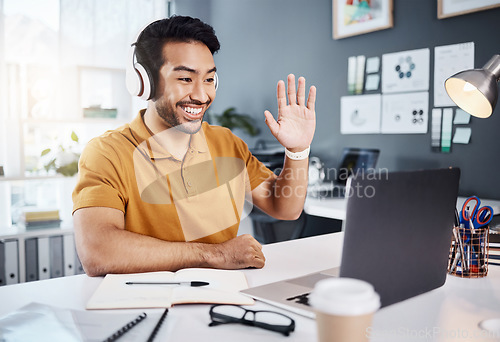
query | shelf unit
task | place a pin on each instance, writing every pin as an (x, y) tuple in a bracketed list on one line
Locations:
[(29, 255), (54, 247)]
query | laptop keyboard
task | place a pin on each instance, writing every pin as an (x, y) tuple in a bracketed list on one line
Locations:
[(300, 299)]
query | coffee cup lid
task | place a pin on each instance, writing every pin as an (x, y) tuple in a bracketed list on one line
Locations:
[(344, 296)]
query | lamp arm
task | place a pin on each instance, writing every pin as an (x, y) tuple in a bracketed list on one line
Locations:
[(493, 66)]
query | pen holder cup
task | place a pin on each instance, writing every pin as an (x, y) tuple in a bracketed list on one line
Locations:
[(469, 252)]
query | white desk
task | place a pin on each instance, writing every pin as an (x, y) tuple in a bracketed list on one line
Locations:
[(439, 315), (335, 208)]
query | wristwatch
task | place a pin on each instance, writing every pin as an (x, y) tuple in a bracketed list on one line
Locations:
[(298, 155)]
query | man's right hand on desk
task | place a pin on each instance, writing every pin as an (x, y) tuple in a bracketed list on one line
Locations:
[(241, 252)]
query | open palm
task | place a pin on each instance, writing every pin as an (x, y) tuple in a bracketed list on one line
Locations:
[(294, 128)]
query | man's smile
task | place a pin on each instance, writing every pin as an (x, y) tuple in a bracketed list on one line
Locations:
[(192, 113)]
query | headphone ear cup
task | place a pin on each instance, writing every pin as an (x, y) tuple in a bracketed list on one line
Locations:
[(216, 81), (147, 82), (138, 80), (133, 81)]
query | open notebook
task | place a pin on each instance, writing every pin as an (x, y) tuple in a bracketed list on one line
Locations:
[(223, 288)]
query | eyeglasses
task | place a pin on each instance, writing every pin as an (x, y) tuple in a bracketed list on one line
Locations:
[(269, 320)]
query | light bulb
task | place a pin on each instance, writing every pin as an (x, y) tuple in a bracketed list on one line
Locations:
[(469, 87)]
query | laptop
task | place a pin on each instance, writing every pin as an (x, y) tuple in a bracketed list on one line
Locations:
[(397, 235), (354, 161)]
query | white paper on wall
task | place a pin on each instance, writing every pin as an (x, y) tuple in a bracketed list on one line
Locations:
[(461, 117), (372, 65), (462, 135), (405, 71), (360, 114), (372, 82), (405, 113), (448, 60)]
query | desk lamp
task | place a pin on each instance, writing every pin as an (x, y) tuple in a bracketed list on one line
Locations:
[(476, 90)]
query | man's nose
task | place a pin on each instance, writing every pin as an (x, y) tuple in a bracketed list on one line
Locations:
[(199, 92)]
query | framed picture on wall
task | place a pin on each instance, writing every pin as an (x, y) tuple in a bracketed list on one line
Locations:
[(354, 17), (451, 8)]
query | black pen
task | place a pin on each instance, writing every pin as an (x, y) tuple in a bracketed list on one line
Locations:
[(190, 283)]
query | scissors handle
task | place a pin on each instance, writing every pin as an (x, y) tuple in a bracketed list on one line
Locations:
[(483, 216), (469, 209)]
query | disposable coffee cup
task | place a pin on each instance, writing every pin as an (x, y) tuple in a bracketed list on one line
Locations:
[(344, 309)]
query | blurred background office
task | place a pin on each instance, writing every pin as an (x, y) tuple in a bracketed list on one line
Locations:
[(62, 71)]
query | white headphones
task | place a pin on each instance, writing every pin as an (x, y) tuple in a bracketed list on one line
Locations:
[(139, 81), (138, 78)]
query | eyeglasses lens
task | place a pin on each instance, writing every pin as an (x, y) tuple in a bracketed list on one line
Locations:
[(272, 318), (230, 311)]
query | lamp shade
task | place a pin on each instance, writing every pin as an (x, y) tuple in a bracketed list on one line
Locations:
[(476, 91)]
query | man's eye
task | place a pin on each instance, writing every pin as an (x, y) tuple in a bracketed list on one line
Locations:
[(210, 80), (185, 79)]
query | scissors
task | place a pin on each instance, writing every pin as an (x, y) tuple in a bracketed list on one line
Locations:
[(473, 213)]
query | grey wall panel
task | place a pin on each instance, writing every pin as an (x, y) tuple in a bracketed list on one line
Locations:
[(264, 40)]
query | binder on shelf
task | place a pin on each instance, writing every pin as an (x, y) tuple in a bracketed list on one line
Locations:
[(56, 256), (2, 264), (69, 254), (31, 258), (43, 258), (11, 262)]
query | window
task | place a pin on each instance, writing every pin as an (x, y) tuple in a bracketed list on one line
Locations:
[(61, 60), (62, 63)]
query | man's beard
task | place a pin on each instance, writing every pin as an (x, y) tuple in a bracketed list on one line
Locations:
[(168, 114)]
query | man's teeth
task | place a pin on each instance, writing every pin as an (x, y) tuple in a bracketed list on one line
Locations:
[(192, 110)]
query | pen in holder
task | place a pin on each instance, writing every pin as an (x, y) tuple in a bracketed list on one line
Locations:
[(469, 252)]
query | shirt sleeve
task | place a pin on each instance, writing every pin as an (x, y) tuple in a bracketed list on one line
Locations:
[(257, 171), (99, 183)]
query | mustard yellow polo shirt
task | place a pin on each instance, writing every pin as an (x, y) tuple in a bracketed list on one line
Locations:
[(200, 198)]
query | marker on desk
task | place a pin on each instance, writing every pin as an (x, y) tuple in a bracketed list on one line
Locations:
[(189, 283)]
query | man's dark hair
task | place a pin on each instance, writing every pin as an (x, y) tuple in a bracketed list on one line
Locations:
[(150, 43)]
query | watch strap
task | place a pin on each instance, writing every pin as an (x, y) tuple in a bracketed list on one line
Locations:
[(298, 155)]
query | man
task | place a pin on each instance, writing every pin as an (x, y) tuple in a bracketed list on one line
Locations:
[(167, 191)]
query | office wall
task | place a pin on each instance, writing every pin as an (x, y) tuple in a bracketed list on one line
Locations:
[(264, 40)]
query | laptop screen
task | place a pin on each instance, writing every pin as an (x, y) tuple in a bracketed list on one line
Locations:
[(355, 160)]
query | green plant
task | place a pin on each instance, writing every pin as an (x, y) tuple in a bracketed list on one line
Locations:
[(230, 119), (64, 160)]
